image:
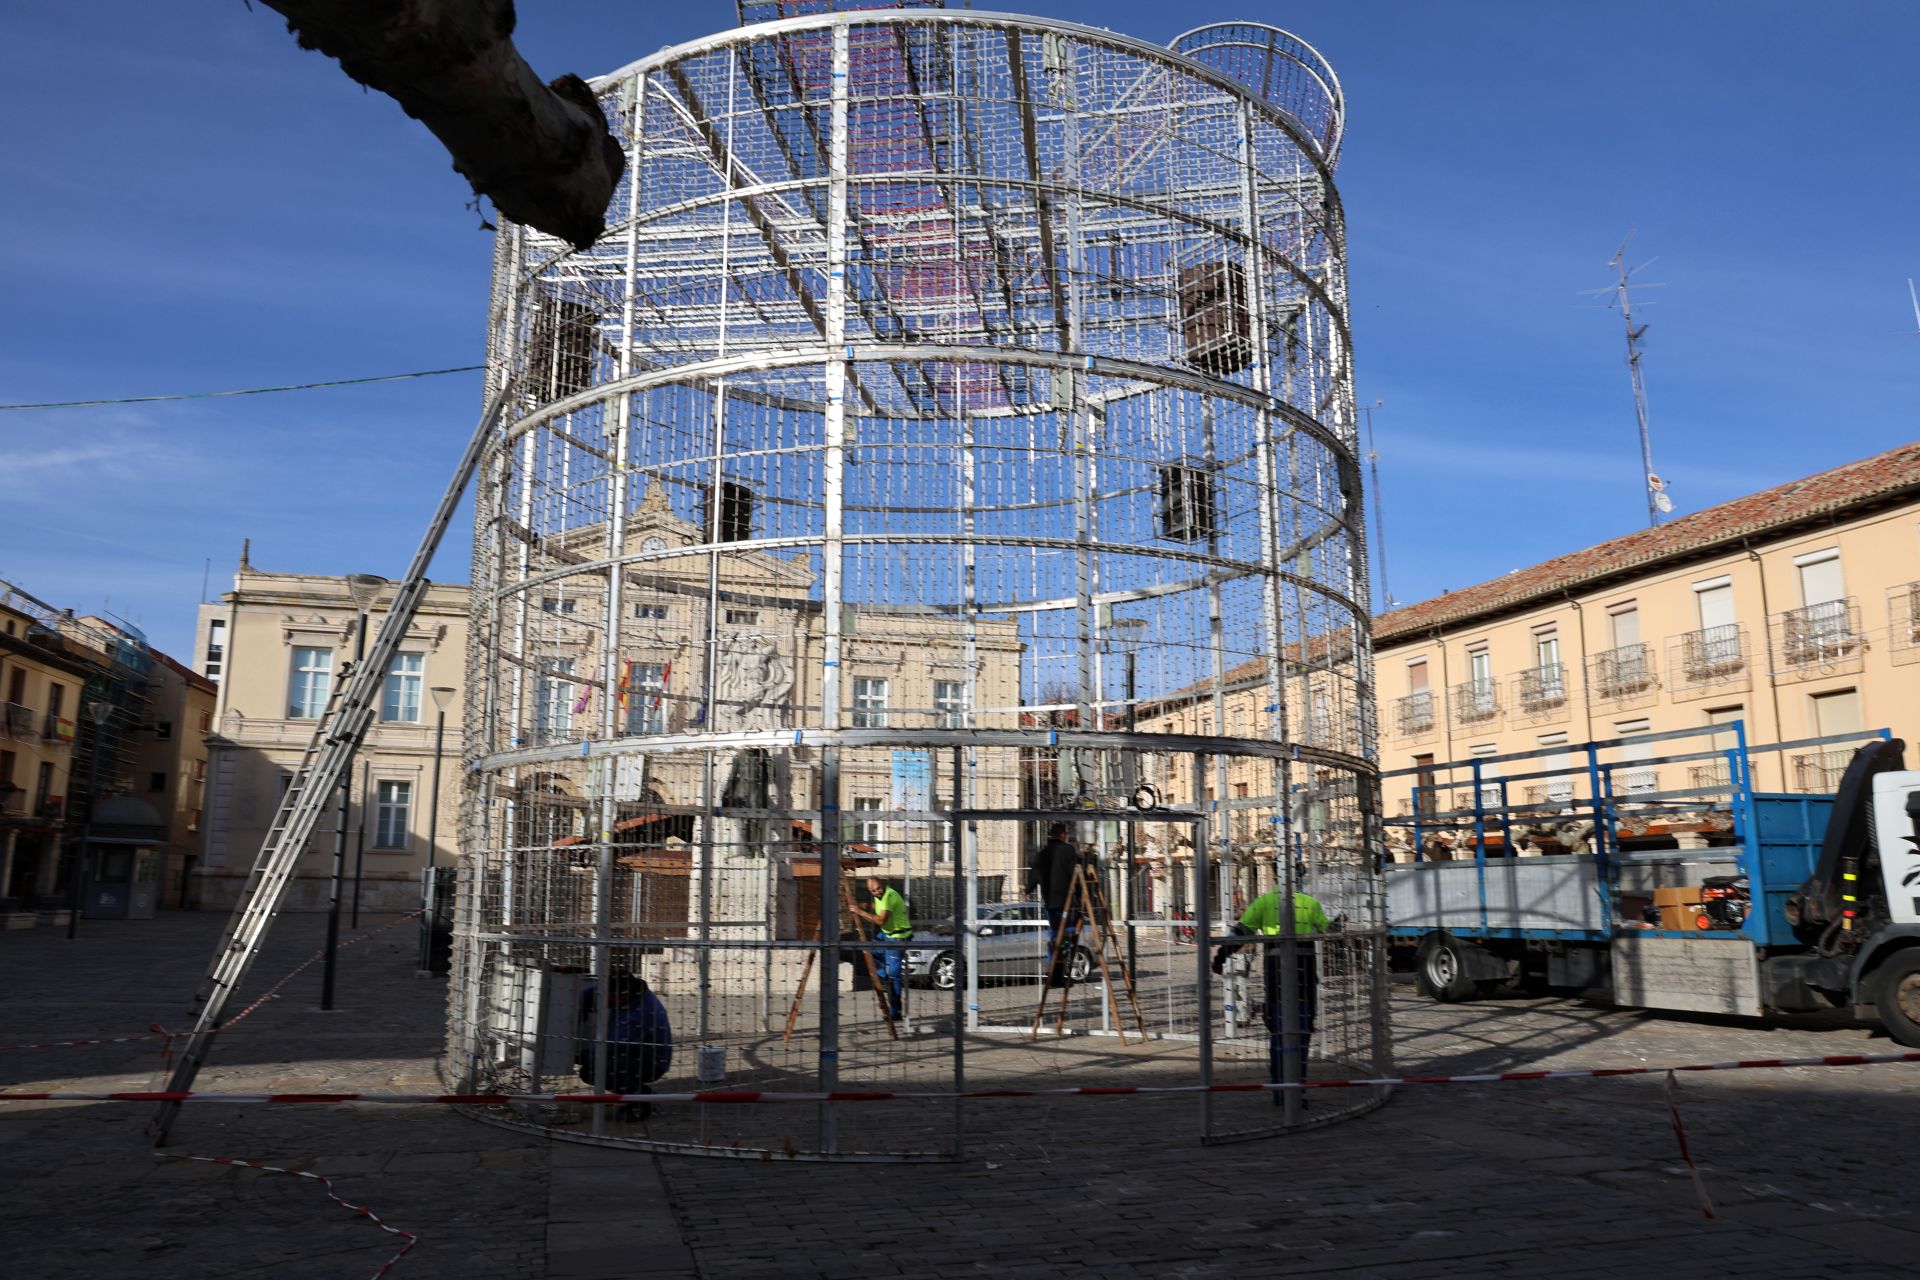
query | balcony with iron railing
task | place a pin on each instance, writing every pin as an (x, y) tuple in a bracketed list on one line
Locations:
[(1413, 714), (58, 729), (1541, 694), (1623, 675), (1818, 640), (1553, 791), (1903, 622), (16, 720), (1820, 770), (1701, 777), (1712, 659), (1476, 701)]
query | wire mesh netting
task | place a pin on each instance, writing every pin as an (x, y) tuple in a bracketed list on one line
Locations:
[(950, 437)]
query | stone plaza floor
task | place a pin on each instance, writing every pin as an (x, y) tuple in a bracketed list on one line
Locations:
[(1807, 1167)]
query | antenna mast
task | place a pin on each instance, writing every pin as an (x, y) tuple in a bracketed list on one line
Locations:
[(1656, 497), (1916, 305)]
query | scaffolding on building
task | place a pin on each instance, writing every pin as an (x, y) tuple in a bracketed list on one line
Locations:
[(948, 389)]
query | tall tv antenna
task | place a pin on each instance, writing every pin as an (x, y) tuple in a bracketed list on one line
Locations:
[(1916, 306), (1658, 503), (1379, 519)]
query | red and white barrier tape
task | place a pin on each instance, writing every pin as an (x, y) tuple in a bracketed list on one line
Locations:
[(154, 1032), (326, 1182), (737, 1097), (312, 960), (157, 1032), (1686, 1154)]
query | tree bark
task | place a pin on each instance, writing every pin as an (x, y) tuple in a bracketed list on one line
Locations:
[(540, 152)]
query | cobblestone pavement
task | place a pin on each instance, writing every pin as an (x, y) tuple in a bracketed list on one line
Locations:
[(1807, 1167)]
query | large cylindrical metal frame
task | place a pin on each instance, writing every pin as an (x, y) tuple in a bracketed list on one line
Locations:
[(955, 425)]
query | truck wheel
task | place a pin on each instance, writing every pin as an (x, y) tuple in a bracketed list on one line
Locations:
[(944, 972), (1443, 972), (1898, 996)]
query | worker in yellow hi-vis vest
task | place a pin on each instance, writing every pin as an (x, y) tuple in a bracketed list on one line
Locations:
[(1262, 919)]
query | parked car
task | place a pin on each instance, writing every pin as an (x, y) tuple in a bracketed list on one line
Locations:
[(1012, 947)]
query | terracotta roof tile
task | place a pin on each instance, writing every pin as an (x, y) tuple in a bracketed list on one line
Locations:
[(1871, 479)]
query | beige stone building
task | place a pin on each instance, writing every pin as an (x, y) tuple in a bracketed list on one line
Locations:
[(1795, 610), (275, 644), (682, 667), (170, 770), (40, 693)]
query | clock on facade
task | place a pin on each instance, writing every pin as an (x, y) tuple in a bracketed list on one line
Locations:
[(654, 543)]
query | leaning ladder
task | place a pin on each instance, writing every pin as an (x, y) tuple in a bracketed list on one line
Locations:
[(328, 758)]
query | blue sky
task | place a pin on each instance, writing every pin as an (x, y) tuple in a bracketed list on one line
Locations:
[(194, 203)]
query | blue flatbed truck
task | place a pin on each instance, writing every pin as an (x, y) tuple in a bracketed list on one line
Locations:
[(1666, 881)]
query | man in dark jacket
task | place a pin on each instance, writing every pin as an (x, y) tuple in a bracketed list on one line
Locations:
[(1051, 877)]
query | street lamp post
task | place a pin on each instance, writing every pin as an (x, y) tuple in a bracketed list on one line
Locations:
[(442, 697), (364, 588), (98, 713)]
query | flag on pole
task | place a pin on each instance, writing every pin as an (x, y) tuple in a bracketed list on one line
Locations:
[(626, 683)]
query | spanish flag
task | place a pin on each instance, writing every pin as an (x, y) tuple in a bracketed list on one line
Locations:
[(626, 681)]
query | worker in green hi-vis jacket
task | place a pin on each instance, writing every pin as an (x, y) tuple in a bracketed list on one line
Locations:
[(889, 916), (1262, 919)]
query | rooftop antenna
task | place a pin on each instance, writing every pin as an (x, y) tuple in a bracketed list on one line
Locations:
[(1658, 503), (1379, 520), (1916, 306)]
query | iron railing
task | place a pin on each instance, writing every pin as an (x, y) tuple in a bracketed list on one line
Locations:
[(1819, 638), (1475, 701), (1414, 713), (1820, 770), (1544, 687), (1903, 622), (1622, 672), (1713, 653)]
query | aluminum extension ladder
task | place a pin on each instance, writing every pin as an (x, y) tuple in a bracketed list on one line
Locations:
[(328, 758)]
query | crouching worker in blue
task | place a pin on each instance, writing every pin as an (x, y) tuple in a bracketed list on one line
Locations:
[(639, 1040), (1262, 919)]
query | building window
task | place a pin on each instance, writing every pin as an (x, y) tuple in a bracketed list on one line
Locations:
[(1557, 789), (163, 730), (743, 618), (950, 703), (156, 782), (656, 612), (869, 703), (205, 722), (867, 830), (43, 789), (553, 701), (1489, 774), (1836, 713), (312, 681), (1820, 580), (216, 647), (199, 770), (400, 701), (392, 815), (647, 698), (552, 605), (1625, 622), (1634, 777), (56, 698)]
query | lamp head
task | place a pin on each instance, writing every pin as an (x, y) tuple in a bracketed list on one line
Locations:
[(365, 589), (443, 695)]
